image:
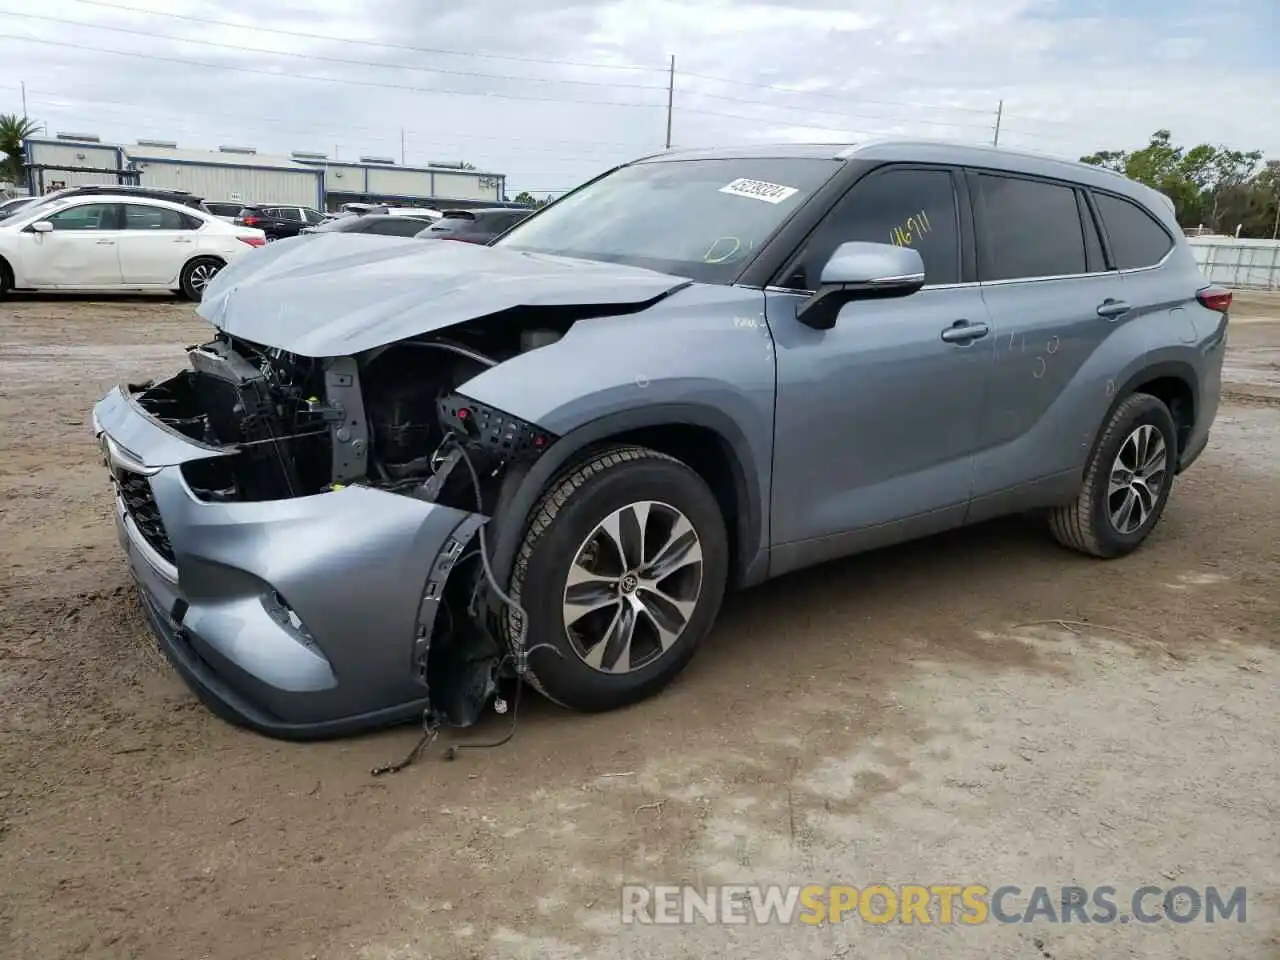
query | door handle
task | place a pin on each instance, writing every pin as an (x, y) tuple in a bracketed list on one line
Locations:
[(962, 331), (105, 243), (1111, 308), (181, 240)]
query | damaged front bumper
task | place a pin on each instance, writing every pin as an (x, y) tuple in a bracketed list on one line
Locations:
[(300, 618)]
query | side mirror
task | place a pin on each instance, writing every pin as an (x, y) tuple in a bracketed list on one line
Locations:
[(861, 271), (41, 226)]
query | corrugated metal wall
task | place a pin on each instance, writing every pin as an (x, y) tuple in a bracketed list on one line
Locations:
[(1248, 264), (468, 186), (74, 155), (393, 182), (343, 180), (243, 184)]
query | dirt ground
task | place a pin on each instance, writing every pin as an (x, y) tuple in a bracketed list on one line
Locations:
[(984, 707)]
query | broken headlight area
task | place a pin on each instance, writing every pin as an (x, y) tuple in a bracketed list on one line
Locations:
[(395, 419), (296, 426)]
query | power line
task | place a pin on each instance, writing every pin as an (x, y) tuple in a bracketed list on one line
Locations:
[(372, 43), (339, 80), (547, 61), (54, 101), (240, 48), (844, 97)]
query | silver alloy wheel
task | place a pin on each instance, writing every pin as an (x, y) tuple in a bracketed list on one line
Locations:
[(1137, 477), (201, 274), (632, 587)]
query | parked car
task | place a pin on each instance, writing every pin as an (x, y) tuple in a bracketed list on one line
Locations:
[(373, 223), (106, 242), (278, 222), (227, 210), (14, 204), (429, 213), (392, 479), (474, 226), (96, 189)]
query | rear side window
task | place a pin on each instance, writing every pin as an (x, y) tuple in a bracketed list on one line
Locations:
[(396, 227), (1137, 240), (140, 217), (1029, 229), (907, 207)]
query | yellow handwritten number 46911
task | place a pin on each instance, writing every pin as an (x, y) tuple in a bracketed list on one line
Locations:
[(916, 225)]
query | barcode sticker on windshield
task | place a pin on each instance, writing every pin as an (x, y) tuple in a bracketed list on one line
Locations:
[(759, 190)]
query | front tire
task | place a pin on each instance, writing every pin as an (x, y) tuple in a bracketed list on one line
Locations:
[(197, 275), (621, 574), (1126, 483)]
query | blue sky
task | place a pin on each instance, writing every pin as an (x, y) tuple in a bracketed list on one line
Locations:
[(551, 92)]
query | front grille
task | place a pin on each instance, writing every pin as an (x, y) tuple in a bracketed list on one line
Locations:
[(140, 503)]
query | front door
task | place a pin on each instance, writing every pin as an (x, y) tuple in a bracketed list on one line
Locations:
[(876, 424), (80, 251), (155, 243)]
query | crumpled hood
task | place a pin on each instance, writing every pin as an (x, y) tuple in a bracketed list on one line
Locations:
[(327, 295)]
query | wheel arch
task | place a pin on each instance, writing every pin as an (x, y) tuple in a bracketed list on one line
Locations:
[(1172, 382), (202, 256), (703, 438), (6, 270)]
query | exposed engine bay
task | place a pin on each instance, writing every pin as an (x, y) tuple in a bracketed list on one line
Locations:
[(392, 419)]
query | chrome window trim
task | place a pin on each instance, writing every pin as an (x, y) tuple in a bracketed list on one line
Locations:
[(1000, 283)]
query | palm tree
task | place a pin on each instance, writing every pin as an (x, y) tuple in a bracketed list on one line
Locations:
[(13, 130)]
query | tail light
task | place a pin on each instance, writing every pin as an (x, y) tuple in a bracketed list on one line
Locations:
[(249, 221), (1215, 298), (254, 241)]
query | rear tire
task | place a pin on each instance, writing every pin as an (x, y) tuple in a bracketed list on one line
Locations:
[(1126, 483), (643, 606), (197, 274), (6, 279)]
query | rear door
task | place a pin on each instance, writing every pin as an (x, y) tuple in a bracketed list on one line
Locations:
[(81, 251), (876, 424), (155, 243), (1052, 300)]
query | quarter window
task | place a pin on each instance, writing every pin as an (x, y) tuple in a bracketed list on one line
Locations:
[(1029, 229), (139, 217), (907, 207), (1137, 240)]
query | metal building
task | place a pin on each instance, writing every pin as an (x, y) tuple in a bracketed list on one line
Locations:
[(382, 180), (71, 160), (230, 173), (241, 174)]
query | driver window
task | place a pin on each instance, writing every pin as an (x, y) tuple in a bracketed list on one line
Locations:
[(907, 207)]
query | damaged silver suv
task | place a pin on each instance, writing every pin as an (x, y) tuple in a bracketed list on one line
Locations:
[(402, 470)]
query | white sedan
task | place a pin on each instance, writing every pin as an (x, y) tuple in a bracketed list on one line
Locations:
[(100, 242)]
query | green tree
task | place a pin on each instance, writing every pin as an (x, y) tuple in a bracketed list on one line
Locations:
[(13, 130), (1207, 184), (527, 198)]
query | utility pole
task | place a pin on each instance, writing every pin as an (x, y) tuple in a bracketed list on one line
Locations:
[(995, 141), (24, 99), (402, 146), (671, 96)]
